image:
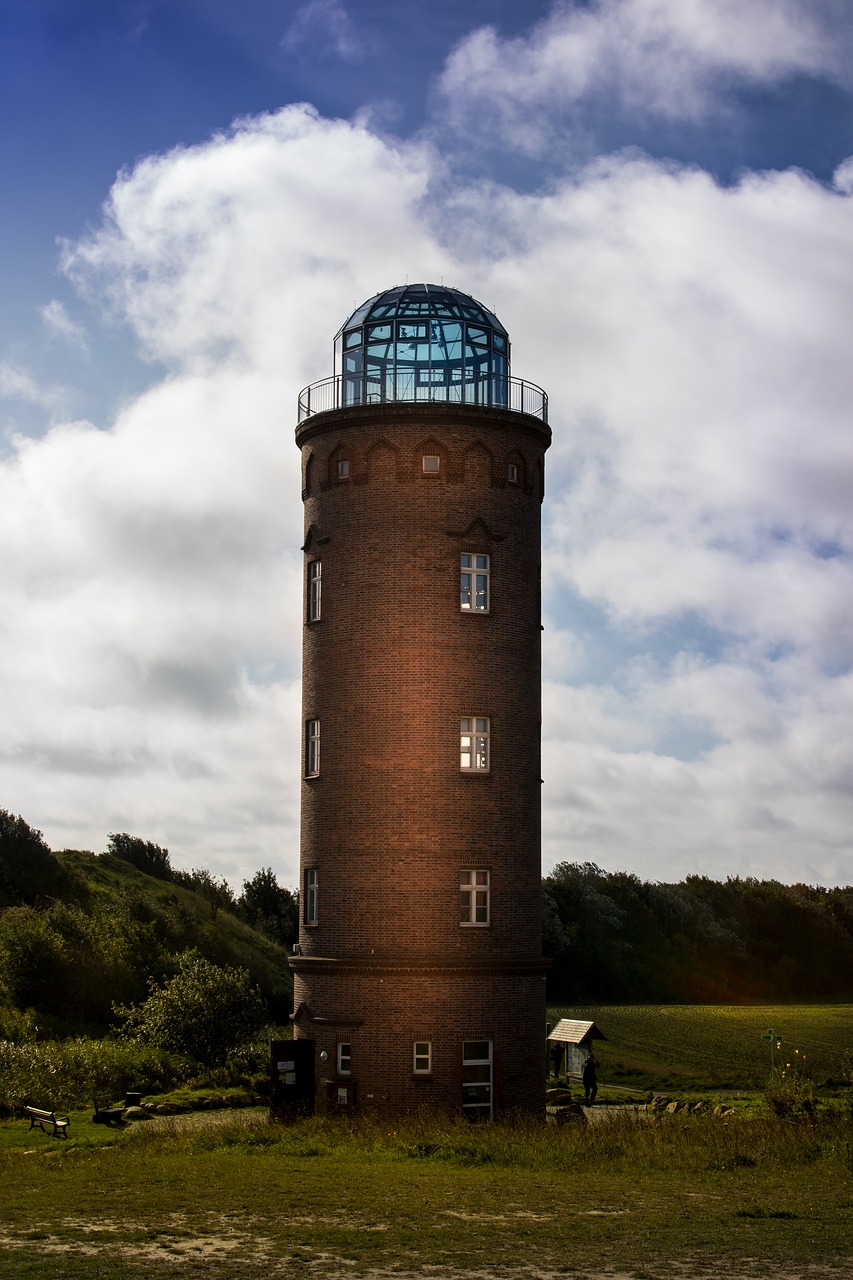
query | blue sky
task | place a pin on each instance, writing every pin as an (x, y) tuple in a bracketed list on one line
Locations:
[(655, 197)]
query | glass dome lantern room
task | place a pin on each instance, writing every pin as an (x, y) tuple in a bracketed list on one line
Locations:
[(423, 342)]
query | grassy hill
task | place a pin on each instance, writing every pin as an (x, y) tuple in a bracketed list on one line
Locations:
[(716, 1047), (106, 929)]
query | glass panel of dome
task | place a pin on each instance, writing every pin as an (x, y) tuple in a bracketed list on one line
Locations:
[(353, 338), (377, 331), (405, 385), (498, 342), (478, 335), (409, 331)]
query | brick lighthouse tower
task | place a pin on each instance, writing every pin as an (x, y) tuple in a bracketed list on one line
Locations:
[(419, 978)]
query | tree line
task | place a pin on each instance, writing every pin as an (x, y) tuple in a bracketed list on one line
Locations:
[(616, 939), (74, 949)]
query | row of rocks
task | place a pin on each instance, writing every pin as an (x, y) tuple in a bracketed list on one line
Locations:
[(671, 1106), (216, 1102)]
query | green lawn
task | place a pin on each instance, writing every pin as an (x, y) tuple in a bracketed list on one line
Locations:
[(250, 1199), (636, 1196), (715, 1047)]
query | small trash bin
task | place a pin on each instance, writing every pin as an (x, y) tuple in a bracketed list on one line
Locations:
[(133, 1099)]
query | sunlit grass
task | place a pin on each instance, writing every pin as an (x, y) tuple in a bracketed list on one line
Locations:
[(630, 1192)]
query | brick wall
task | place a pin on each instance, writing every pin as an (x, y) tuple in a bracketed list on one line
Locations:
[(389, 669)]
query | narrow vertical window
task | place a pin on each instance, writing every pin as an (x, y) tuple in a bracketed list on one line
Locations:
[(474, 582), (314, 590), (312, 748), (343, 469), (474, 744), (309, 897), (422, 1057), (344, 1062), (512, 473), (474, 894), (477, 1079)]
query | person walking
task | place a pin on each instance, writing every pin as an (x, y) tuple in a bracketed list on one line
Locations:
[(589, 1080)]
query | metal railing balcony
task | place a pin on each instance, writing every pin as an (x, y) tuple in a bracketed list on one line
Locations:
[(344, 391)]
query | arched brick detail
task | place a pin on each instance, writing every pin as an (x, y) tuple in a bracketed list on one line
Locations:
[(478, 464), (383, 462)]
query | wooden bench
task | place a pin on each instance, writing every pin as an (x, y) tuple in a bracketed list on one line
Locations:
[(41, 1118), (107, 1114)]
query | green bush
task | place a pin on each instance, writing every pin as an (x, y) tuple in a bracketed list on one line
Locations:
[(32, 960), (28, 869), (142, 854), (205, 1012), (70, 1073), (790, 1092), (18, 1027)]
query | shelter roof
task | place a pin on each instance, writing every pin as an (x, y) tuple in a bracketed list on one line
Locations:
[(570, 1031)]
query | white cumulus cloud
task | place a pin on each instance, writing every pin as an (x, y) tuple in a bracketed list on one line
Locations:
[(698, 532), (665, 59)]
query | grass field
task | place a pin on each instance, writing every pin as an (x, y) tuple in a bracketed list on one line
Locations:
[(715, 1047), (646, 1199), (636, 1196)]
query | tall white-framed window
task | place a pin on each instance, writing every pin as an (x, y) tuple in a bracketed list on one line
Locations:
[(343, 469), (477, 1079), (474, 582), (474, 744), (315, 569), (474, 898), (344, 1059), (512, 472), (309, 896), (422, 1057), (312, 748)]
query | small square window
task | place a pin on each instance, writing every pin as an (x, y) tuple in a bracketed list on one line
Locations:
[(431, 464), (309, 897), (343, 469), (422, 1057), (474, 744), (344, 1059), (512, 473)]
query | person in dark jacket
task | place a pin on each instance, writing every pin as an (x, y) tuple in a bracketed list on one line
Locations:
[(589, 1080)]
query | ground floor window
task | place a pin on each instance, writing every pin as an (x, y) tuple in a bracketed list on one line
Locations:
[(477, 1079), (422, 1057)]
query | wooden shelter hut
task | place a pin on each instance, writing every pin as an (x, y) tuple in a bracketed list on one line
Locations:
[(575, 1038)]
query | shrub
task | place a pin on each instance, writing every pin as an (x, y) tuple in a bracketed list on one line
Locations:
[(142, 854), (205, 1011), (790, 1092), (28, 869), (69, 1073), (32, 960)]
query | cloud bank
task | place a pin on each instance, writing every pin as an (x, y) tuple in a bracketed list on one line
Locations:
[(656, 59), (698, 532)]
